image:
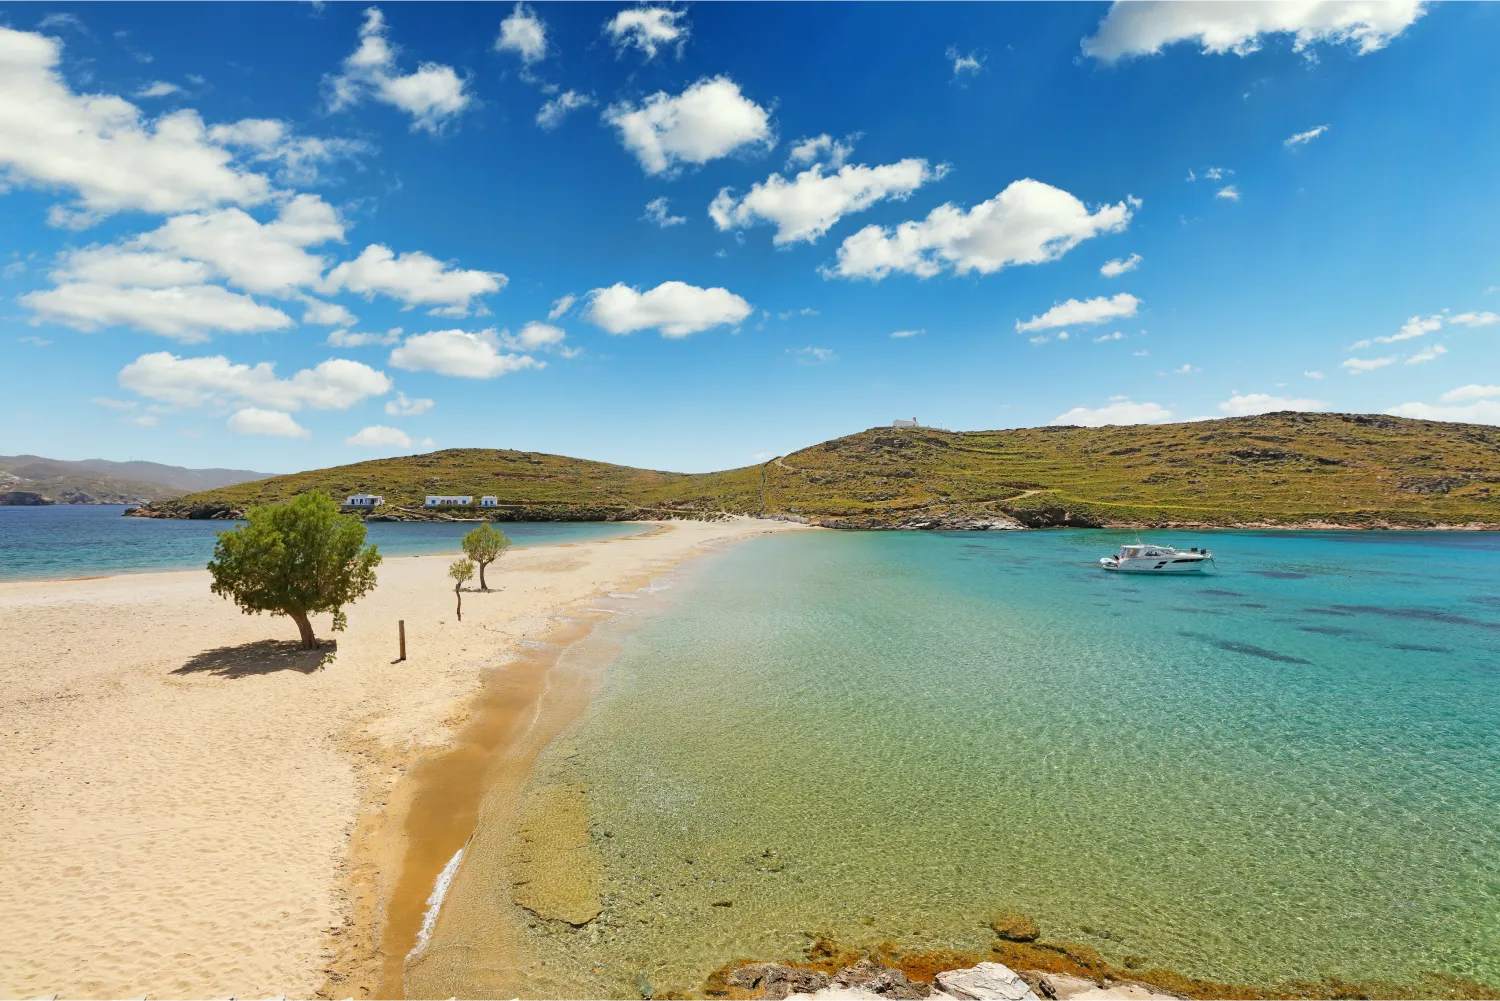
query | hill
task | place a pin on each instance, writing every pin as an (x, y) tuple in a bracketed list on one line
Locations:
[(1286, 469), (101, 481)]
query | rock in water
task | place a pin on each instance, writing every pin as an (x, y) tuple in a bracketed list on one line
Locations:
[(985, 982), (555, 872), (776, 981), (1015, 927), (884, 981)]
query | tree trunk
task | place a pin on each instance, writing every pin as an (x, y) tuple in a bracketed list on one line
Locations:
[(309, 642), (460, 596), (482, 585)]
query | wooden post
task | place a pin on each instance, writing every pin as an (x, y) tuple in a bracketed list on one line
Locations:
[(401, 625)]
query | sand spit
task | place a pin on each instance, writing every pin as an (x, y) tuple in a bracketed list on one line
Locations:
[(179, 785)]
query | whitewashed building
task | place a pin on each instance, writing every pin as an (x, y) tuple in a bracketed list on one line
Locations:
[(449, 500), (364, 500), (489, 500), (899, 423)]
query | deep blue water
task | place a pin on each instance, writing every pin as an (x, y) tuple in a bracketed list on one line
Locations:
[(95, 540)]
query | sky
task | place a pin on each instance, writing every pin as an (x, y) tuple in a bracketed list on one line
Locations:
[(693, 237)]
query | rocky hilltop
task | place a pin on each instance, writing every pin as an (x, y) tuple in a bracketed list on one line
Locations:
[(1272, 470)]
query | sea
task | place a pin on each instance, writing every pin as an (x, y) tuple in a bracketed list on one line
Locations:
[(91, 540), (1285, 769)]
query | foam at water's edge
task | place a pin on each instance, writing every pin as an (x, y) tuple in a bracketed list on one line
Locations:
[(435, 905)]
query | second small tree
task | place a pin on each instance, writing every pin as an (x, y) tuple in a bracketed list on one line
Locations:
[(462, 571), (484, 546)]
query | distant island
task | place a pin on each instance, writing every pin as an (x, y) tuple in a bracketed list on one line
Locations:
[(1288, 470), (31, 480)]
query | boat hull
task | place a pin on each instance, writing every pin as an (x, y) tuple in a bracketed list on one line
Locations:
[(1196, 566)]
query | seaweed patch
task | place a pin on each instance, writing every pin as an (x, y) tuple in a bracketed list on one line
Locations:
[(1249, 649)]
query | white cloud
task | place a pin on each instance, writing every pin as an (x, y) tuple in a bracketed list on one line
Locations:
[(158, 88), (187, 313), (1248, 404), (327, 314), (656, 211), (1119, 410), (349, 339), (414, 278), (102, 147), (276, 424), (1213, 173), (834, 152), (1475, 319), (258, 257), (1229, 193), (561, 306), (1358, 365), (970, 63), (1473, 391), (1481, 412), (1427, 354), (1238, 26), (401, 406), (1098, 310), (1141, 353), (1027, 223), (1313, 375), (335, 384), (461, 354), (909, 333), (535, 336), (675, 308), (267, 140), (1185, 368), (36, 342), (1119, 266), (1102, 338), (554, 111), (119, 265), (379, 436), (649, 29), (1303, 138), (804, 208), (709, 120), (814, 356), (524, 34), (433, 95)]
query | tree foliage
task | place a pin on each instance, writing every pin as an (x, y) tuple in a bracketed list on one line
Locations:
[(462, 571), (485, 545), (295, 559)]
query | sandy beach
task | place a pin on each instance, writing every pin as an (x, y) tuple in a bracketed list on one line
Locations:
[(179, 786)]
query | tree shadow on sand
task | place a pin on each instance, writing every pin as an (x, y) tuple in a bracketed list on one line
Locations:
[(260, 657)]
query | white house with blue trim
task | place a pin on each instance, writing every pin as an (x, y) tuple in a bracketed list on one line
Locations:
[(449, 500)]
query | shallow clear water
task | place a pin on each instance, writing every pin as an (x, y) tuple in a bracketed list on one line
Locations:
[(92, 540), (1288, 769)]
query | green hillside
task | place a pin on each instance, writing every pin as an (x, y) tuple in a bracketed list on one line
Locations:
[(1284, 469)]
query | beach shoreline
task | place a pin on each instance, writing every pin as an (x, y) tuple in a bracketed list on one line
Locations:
[(187, 794)]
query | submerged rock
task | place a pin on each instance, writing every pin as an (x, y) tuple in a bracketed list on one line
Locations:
[(882, 981), (555, 871), (1015, 927), (985, 982), (777, 981)]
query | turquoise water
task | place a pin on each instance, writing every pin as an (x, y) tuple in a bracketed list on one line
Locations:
[(92, 540), (1289, 769)]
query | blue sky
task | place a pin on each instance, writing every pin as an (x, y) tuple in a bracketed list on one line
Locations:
[(692, 237)]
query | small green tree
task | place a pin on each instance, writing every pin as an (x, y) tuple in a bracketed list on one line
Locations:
[(485, 545), (297, 560), (462, 571)]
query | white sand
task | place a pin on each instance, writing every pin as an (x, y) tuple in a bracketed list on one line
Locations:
[(185, 834)]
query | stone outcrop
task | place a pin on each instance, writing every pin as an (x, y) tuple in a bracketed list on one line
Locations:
[(23, 498), (985, 982), (554, 868), (776, 981)]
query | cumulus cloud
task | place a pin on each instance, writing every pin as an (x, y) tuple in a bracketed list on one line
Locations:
[(266, 140), (414, 278), (1119, 410), (1240, 27), (1427, 354), (649, 29), (188, 313), (326, 314), (274, 423), (158, 88), (379, 436), (1303, 138), (524, 34), (258, 257), (554, 111), (350, 339), (433, 95), (677, 309), (335, 384), (1027, 223), (969, 63), (102, 148), (1481, 412), (537, 336), (402, 406), (824, 148), (1249, 404), (461, 354), (804, 208), (1075, 311), (1358, 366), (1473, 391), (1484, 319), (561, 306), (656, 211), (709, 120), (1119, 266), (1229, 193)]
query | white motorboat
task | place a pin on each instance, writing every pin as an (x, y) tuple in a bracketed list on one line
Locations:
[(1145, 558)]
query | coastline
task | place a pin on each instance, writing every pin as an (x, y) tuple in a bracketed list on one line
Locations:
[(185, 787)]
